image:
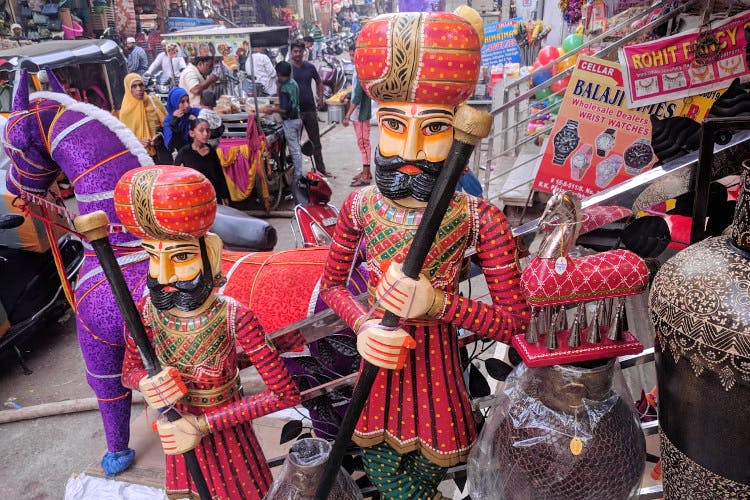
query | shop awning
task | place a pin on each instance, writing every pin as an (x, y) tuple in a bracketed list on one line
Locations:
[(265, 36)]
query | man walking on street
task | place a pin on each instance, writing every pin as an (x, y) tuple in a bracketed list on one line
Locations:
[(317, 35), (137, 58), (304, 73)]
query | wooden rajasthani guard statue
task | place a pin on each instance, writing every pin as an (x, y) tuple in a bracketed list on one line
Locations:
[(418, 421), (195, 333)]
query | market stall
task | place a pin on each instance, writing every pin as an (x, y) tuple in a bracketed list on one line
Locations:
[(241, 162)]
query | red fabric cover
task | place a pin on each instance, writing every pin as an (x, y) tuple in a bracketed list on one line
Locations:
[(598, 216), (268, 284), (615, 273)]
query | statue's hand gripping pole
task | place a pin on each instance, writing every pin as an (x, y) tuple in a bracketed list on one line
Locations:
[(470, 126), (94, 227)]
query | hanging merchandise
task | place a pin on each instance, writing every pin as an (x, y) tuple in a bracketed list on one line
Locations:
[(530, 35), (596, 17), (571, 10)]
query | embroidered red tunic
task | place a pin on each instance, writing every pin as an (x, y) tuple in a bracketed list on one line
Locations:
[(203, 349), (425, 406)]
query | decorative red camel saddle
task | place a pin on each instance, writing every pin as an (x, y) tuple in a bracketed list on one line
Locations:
[(554, 282), (566, 280)]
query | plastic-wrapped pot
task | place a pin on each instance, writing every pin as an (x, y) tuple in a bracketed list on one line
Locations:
[(560, 432), (303, 470), (700, 306)]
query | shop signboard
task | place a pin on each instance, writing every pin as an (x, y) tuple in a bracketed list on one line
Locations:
[(596, 141), (181, 23), (225, 42), (667, 69), (500, 46)]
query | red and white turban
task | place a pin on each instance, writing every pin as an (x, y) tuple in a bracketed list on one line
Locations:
[(418, 57), (165, 202)]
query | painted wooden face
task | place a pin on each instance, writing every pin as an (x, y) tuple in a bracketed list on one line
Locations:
[(415, 131), (178, 277), (171, 261)]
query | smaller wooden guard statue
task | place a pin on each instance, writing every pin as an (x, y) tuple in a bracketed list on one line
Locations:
[(195, 334)]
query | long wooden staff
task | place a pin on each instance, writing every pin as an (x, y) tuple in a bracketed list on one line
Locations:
[(470, 125), (94, 227)]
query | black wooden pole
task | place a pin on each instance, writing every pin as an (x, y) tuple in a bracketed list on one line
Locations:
[(94, 227), (469, 125)]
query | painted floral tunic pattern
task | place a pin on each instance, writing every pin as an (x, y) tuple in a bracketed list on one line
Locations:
[(425, 406), (203, 349)]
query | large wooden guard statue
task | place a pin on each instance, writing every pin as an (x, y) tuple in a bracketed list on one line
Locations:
[(418, 420), (195, 332)]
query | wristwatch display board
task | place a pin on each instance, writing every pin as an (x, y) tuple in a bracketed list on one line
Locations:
[(596, 141)]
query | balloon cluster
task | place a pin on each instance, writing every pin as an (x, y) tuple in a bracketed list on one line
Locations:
[(548, 54), (571, 10)]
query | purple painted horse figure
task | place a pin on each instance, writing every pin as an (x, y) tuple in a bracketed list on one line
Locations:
[(49, 132)]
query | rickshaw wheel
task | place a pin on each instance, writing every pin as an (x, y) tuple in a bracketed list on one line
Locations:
[(276, 180)]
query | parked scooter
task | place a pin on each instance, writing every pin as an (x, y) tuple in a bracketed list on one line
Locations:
[(314, 217), (31, 294), (332, 75), (156, 88)]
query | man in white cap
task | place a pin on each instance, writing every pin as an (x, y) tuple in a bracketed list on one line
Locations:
[(17, 34), (170, 62), (137, 58)]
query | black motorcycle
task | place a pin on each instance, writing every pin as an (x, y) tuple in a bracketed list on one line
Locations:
[(31, 294)]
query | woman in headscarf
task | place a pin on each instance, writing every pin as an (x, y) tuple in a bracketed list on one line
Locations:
[(179, 115), (144, 115)]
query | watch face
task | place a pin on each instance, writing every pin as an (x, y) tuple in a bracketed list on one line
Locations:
[(605, 141), (565, 141), (638, 155), (578, 160)]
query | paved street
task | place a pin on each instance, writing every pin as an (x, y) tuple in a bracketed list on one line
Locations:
[(39, 455)]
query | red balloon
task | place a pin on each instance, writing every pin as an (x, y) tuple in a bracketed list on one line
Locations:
[(560, 85), (548, 54), (536, 66)]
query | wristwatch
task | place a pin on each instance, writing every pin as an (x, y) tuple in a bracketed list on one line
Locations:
[(565, 141), (607, 169), (604, 142), (637, 156), (580, 162)]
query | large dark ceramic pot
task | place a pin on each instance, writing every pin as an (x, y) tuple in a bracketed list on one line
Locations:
[(560, 432), (302, 471), (700, 306)]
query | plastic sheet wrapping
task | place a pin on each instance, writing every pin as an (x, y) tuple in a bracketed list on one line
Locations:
[(303, 470), (560, 432)]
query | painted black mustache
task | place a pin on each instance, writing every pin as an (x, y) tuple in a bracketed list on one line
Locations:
[(190, 295), (396, 162), (397, 185)]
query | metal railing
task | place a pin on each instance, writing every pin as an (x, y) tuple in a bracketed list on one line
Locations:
[(515, 112)]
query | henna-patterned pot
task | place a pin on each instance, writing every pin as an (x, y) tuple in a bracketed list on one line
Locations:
[(700, 307), (303, 470), (566, 435)]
